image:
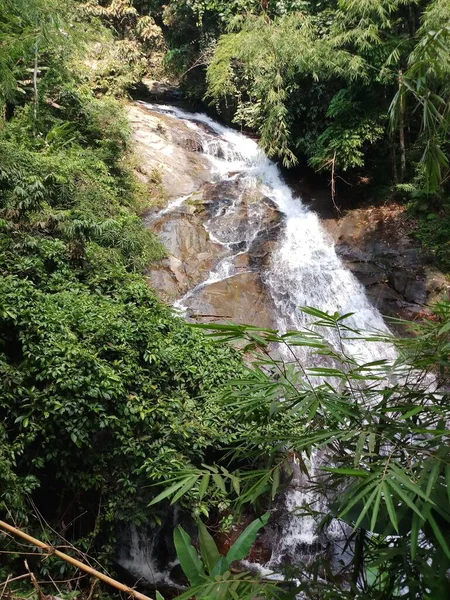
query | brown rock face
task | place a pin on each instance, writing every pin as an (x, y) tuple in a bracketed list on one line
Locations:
[(218, 219), (191, 255), (376, 245), (240, 298), (168, 147)]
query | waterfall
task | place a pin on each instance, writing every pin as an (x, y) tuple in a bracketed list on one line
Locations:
[(303, 270)]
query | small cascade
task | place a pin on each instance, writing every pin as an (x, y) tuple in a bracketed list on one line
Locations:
[(302, 270)]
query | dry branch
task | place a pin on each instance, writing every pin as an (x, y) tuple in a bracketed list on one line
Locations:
[(73, 561)]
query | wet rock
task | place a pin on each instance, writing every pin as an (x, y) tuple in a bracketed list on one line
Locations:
[(191, 255), (168, 149), (375, 243), (241, 298), (242, 261)]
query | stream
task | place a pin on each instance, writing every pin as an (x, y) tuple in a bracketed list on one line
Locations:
[(266, 255)]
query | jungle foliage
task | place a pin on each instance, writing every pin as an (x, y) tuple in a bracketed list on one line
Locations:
[(372, 441), (110, 404), (353, 86), (104, 390), (356, 89)]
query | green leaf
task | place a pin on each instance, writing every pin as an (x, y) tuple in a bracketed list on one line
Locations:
[(204, 485), (221, 567), (404, 496), (192, 566), (376, 508), (345, 471), (409, 484), (159, 596), (390, 506), (437, 532), (416, 525), (167, 492), (218, 480), (242, 545), (189, 483), (208, 548), (366, 507)]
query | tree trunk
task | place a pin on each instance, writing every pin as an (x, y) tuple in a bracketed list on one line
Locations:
[(35, 82), (393, 157), (401, 127)]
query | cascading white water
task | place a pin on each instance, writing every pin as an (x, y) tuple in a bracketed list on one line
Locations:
[(304, 269)]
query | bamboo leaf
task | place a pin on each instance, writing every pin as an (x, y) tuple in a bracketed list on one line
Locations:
[(208, 548), (242, 545), (366, 507), (401, 475), (189, 483), (204, 485), (438, 533), (192, 566), (376, 509), (416, 525), (167, 492), (406, 499), (390, 506)]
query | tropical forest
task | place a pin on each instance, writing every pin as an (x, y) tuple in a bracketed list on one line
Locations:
[(225, 299)]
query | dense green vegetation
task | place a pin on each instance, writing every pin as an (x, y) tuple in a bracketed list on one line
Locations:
[(382, 430), (104, 390), (111, 406), (349, 84), (358, 89)]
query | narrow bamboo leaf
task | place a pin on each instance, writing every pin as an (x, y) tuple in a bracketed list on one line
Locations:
[(433, 476), (242, 545), (186, 487), (352, 500), (438, 533), (416, 525), (208, 548), (404, 496), (409, 484), (192, 566), (204, 485), (390, 506), (376, 509), (345, 471), (159, 596), (367, 505), (167, 492)]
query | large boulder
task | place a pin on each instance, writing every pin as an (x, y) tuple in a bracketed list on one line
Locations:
[(241, 298), (376, 244), (167, 150), (191, 255)]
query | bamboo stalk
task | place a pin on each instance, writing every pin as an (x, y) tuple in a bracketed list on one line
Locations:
[(74, 562)]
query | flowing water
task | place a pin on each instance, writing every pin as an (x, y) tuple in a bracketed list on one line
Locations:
[(303, 270)]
